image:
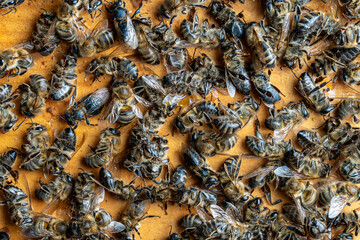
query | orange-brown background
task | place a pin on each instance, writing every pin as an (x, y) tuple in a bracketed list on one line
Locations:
[(18, 27)]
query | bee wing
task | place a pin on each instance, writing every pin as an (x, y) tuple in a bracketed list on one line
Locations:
[(173, 99), (101, 25), (259, 173), (26, 44), (337, 204), (142, 101), (219, 213), (300, 209), (114, 227), (203, 214), (110, 115), (31, 233), (132, 41), (73, 96), (285, 28), (280, 134), (319, 47), (137, 111), (285, 171), (230, 86), (269, 105), (99, 196), (152, 83)]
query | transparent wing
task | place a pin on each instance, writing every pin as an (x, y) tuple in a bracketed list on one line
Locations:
[(203, 214), (219, 213), (26, 44), (230, 87), (110, 115), (133, 41), (101, 25), (300, 209), (280, 134), (285, 171), (114, 227), (259, 173), (153, 83), (99, 196), (137, 111), (142, 101), (285, 28), (173, 99), (31, 233), (337, 204)]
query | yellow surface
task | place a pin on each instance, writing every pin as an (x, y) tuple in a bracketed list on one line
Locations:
[(18, 27)]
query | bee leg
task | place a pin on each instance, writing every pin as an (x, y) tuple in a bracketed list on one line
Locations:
[(88, 122), (92, 148), (267, 192)]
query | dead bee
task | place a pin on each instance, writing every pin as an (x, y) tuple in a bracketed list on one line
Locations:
[(201, 34), (351, 74), (349, 167), (198, 165), (339, 131), (36, 149), (322, 146), (283, 120), (100, 39), (349, 107), (255, 211), (236, 73), (194, 115), (60, 187), (344, 236), (34, 96), (8, 4), (7, 162), (352, 9), (132, 216), (228, 18), (88, 106), (236, 115), (92, 7), (66, 25), (43, 37), (257, 38), (314, 94), (5, 234), (60, 153), (211, 143), (347, 36), (8, 119), (234, 189), (15, 62), (19, 209), (176, 236), (63, 77), (197, 198), (268, 93), (350, 218), (171, 8), (163, 36)]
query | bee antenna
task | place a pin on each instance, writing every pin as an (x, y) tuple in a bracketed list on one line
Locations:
[(19, 125), (137, 10), (294, 74), (60, 51), (62, 117)]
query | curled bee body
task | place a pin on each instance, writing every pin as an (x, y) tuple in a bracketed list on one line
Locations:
[(8, 118), (339, 131), (349, 168), (211, 143), (349, 108), (309, 164), (347, 36), (171, 8), (100, 39), (322, 146), (66, 25), (257, 38), (60, 187), (195, 197), (151, 86), (281, 227), (228, 18), (92, 7), (44, 38), (350, 191), (351, 220), (84, 191), (351, 74), (61, 151), (46, 226), (8, 4), (267, 92), (176, 59), (163, 36), (194, 115), (123, 24), (38, 142), (234, 189), (62, 81), (15, 62), (201, 34), (88, 106), (7, 162), (34, 96), (19, 209), (314, 95), (235, 68), (236, 115), (198, 165), (352, 9), (102, 154), (255, 211)]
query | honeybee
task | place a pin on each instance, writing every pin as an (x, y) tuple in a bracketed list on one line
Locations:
[(351, 220), (197, 198), (175, 59), (19, 209), (234, 189), (88, 106), (163, 36), (314, 94), (61, 187), (36, 149), (351, 74), (102, 154), (34, 96), (211, 143), (198, 165), (352, 9), (7, 162), (8, 119), (349, 107), (201, 34), (171, 8), (228, 18), (15, 62), (339, 131), (347, 36), (60, 153), (62, 79), (43, 37), (66, 25), (100, 39), (7, 4), (283, 120), (123, 107), (349, 165), (92, 7), (268, 93)]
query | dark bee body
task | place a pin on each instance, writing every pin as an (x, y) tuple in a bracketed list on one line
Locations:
[(347, 36), (351, 74), (5, 234), (314, 95), (61, 151), (9, 4), (92, 7), (84, 191), (176, 236), (211, 143), (267, 92), (228, 18), (66, 26), (351, 219), (19, 209), (352, 9), (34, 96), (15, 62), (282, 229), (198, 165), (60, 187), (340, 132), (349, 108), (195, 115), (291, 114), (7, 162), (88, 106), (43, 37), (265, 175), (63, 77), (171, 8), (8, 119), (195, 197), (102, 154), (349, 168), (154, 95), (331, 190), (234, 189), (38, 142)]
